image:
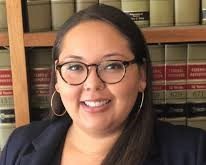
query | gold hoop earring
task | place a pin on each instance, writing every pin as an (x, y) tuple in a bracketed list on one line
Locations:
[(141, 104), (51, 103)]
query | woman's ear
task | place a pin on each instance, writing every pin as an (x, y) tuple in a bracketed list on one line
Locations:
[(142, 78), (57, 87)]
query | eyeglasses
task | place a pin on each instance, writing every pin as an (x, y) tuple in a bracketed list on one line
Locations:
[(110, 71)]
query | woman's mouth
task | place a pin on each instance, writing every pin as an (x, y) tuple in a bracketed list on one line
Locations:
[(95, 106)]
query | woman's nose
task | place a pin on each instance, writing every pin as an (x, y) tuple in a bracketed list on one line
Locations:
[(93, 82)]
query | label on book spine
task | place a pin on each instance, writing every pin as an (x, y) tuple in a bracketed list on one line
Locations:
[(138, 10)]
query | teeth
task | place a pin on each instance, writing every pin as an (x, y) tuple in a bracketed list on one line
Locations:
[(96, 103)]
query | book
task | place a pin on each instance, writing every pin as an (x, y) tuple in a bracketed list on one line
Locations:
[(7, 117), (157, 55), (40, 75), (3, 18), (138, 10), (176, 80), (61, 10), (82, 4), (187, 12), (196, 81), (203, 12), (114, 3), (39, 15), (161, 12), (197, 122)]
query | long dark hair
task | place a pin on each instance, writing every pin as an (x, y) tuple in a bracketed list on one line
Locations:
[(134, 143)]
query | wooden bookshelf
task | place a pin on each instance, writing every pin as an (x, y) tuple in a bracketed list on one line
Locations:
[(152, 35), (16, 40)]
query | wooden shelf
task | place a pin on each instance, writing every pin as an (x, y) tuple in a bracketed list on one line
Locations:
[(4, 39), (175, 34), (152, 35)]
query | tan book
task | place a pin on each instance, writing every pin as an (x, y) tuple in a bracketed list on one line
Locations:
[(7, 117), (114, 3), (203, 12), (176, 80), (39, 15), (196, 80), (157, 55), (40, 75), (161, 12), (177, 120), (61, 10), (138, 10), (197, 122), (187, 12), (3, 19), (82, 4)]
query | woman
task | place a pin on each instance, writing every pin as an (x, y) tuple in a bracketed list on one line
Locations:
[(101, 102)]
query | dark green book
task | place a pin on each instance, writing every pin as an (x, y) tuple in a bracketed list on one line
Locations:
[(187, 12), (3, 19), (138, 10), (61, 10), (39, 15), (39, 75), (82, 4), (161, 12), (114, 3)]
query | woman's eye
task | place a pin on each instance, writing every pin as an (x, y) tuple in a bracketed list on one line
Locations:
[(113, 66), (75, 67)]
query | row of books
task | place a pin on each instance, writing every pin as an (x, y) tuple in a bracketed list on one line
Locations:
[(179, 81), (47, 15)]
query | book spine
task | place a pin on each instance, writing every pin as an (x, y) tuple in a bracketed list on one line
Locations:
[(157, 55), (114, 3), (161, 12), (40, 75), (196, 85), (138, 10), (187, 12), (7, 117), (39, 15), (3, 18), (82, 4), (203, 12), (176, 80), (61, 10)]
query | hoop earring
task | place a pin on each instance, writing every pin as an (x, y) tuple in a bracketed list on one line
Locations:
[(141, 104), (51, 103)]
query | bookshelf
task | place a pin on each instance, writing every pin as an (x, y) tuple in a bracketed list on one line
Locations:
[(17, 41)]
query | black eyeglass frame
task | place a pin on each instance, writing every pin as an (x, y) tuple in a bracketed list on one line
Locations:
[(125, 64)]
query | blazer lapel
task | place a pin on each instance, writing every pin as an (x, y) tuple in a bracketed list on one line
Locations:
[(44, 147)]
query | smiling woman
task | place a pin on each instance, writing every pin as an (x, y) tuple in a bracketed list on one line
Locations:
[(102, 102)]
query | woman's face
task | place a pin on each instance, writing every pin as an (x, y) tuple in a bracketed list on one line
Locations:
[(94, 106)]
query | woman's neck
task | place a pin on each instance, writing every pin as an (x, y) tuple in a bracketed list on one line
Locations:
[(90, 144)]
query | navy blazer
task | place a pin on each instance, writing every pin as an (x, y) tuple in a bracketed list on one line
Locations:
[(38, 144)]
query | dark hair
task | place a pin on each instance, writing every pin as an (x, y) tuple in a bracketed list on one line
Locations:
[(135, 142)]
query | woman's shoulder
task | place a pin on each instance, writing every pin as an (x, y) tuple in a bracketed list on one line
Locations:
[(181, 143), (29, 131)]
